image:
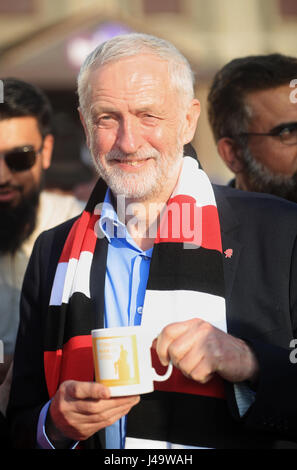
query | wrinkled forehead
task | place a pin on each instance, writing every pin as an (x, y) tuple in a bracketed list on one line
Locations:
[(19, 131), (143, 75), (273, 103)]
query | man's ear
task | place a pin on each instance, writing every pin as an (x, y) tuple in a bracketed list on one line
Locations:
[(84, 124), (47, 150), (192, 117), (231, 154)]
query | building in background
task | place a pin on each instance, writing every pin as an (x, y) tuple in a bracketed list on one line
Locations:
[(45, 41)]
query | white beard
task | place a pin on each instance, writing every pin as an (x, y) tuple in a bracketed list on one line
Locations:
[(147, 182)]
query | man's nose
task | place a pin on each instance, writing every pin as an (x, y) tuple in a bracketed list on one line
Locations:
[(5, 173), (129, 136)]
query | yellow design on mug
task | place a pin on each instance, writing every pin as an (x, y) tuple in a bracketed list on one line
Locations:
[(116, 361)]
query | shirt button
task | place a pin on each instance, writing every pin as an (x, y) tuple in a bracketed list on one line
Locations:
[(146, 258), (139, 310)]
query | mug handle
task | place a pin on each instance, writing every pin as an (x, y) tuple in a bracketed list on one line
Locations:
[(162, 378)]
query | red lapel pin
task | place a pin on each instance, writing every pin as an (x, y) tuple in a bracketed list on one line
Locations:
[(228, 253)]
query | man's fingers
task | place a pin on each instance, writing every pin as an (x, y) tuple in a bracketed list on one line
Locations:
[(77, 390), (91, 398), (112, 415), (78, 418), (92, 409), (201, 370), (168, 334), (178, 349), (172, 335), (199, 350)]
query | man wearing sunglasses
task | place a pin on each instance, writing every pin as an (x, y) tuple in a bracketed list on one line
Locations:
[(26, 143), (253, 114)]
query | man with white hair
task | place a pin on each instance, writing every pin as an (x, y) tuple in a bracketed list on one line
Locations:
[(158, 246)]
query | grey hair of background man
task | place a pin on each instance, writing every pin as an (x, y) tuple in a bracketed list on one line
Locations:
[(127, 45)]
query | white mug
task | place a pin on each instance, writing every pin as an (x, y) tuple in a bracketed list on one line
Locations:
[(122, 360)]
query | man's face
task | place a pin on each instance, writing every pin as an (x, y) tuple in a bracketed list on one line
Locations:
[(19, 191), (16, 133), (135, 126), (271, 166)]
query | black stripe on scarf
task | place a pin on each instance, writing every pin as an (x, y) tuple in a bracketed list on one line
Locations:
[(78, 317), (172, 266), (190, 420)]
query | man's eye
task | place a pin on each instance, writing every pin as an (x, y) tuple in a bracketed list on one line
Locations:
[(105, 120), (286, 131), (288, 135), (149, 118)]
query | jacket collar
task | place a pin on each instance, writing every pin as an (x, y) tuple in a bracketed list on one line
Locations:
[(230, 241)]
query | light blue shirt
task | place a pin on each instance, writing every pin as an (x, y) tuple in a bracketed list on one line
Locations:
[(127, 271)]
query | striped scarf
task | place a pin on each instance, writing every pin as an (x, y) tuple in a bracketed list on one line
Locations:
[(185, 281)]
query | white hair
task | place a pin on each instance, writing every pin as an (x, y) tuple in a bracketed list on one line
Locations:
[(127, 45)]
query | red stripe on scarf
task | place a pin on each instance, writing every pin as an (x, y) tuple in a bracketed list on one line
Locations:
[(211, 235), (75, 362), (177, 382), (82, 237), (190, 224), (52, 364)]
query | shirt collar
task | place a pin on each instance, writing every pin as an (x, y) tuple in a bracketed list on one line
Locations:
[(109, 222), (112, 227)]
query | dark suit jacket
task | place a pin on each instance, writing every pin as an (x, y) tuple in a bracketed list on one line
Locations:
[(261, 303)]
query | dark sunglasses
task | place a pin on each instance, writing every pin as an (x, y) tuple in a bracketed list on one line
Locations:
[(286, 133), (21, 159)]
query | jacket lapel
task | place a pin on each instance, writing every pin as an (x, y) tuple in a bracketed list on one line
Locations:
[(231, 246)]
